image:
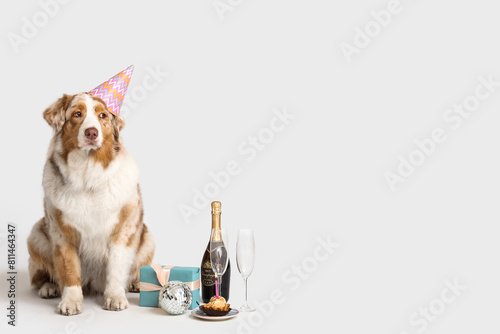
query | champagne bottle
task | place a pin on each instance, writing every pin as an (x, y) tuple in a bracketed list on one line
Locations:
[(207, 274)]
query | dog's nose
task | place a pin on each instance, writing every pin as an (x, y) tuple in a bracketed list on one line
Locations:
[(91, 133)]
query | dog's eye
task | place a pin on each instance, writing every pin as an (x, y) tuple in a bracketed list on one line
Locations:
[(102, 115), (77, 114)]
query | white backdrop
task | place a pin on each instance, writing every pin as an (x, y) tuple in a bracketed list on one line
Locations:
[(373, 198)]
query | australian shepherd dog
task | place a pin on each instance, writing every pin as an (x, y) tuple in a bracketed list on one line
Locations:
[(92, 237)]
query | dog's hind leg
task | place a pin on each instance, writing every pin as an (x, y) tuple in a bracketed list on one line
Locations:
[(145, 253), (41, 267)]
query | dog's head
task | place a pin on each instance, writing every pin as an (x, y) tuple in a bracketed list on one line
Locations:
[(84, 122)]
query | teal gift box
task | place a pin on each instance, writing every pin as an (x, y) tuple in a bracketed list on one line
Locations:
[(154, 276)]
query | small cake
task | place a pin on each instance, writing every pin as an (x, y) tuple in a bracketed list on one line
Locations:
[(216, 306)]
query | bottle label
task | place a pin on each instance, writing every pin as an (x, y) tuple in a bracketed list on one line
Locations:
[(207, 274)]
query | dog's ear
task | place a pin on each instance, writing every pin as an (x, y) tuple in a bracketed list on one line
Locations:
[(119, 122), (55, 115)]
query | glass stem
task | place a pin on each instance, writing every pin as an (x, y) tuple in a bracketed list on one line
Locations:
[(219, 283), (245, 278)]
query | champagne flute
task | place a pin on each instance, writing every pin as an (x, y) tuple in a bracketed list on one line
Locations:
[(245, 258), (218, 257)]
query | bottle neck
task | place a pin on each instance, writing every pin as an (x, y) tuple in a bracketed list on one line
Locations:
[(216, 227)]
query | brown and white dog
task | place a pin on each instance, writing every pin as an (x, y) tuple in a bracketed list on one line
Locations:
[(92, 235)]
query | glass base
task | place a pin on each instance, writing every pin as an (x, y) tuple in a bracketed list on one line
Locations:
[(246, 308)]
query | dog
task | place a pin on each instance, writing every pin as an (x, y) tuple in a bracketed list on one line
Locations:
[(92, 237)]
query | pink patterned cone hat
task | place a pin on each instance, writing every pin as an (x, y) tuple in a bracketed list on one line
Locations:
[(113, 91)]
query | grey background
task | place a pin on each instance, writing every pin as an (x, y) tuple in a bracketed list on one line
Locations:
[(323, 175)]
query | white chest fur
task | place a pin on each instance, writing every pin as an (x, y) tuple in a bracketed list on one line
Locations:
[(90, 199)]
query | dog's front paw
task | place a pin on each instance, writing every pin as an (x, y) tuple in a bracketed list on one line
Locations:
[(49, 290), (115, 302), (70, 307), (72, 301)]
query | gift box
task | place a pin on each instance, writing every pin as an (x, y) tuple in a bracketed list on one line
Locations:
[(154, 276)]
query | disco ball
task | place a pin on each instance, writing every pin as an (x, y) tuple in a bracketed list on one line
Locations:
[(175, 297)]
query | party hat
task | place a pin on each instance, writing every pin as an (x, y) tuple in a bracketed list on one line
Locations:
[(113, 91)]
